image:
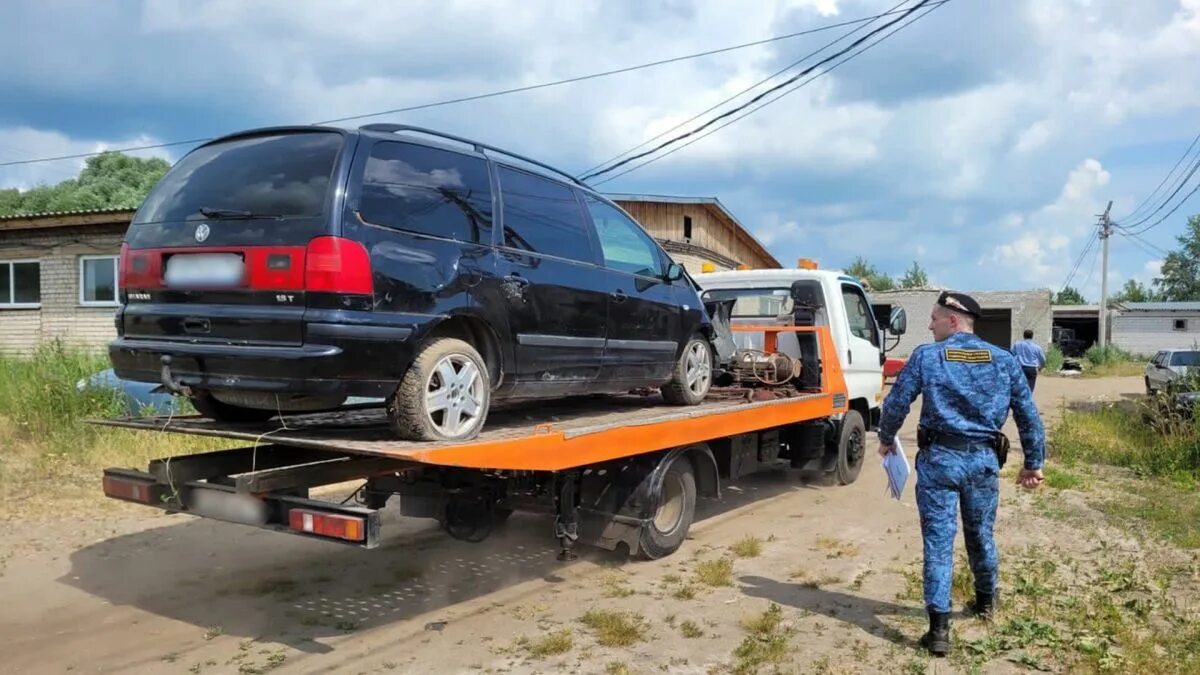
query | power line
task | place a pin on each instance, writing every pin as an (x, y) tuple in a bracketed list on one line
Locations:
[(1179, 186), (832, 68), (1163, 182), (756, 99), (1173, 209), (863, 23), (503, 92), (1143, 244), (1078, 261), (1092, 270)]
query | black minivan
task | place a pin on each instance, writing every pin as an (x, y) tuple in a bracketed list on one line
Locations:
[(286, 269)]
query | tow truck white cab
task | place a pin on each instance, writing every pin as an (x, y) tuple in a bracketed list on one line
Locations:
[(834, 300)]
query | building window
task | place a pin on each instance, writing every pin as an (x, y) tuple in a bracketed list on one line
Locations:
[(20, 284), (1180, 324), (98, 280), (687, 227)]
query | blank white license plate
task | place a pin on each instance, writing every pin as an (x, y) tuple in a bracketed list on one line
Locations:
[(205, 270)]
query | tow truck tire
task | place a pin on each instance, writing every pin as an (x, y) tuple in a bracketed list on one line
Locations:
[(408, 411), (693, 374), (852, 448), (669, 524), (213, 409)]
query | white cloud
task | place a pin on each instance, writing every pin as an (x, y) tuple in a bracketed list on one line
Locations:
[(22, 143)]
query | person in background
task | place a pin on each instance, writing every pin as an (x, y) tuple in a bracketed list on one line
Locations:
[(1031, 358)]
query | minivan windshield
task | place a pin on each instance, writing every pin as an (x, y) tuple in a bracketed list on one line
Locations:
[(284, 175), (1185, 359)]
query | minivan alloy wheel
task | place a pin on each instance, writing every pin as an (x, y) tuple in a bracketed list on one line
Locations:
[(699, 368), (454, 395)]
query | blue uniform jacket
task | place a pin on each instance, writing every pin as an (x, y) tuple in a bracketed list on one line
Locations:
[(968, 386)]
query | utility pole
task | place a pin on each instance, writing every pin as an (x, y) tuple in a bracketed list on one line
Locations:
[(1105, 233)]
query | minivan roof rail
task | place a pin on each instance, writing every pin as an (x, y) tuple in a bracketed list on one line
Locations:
[(390, 128)]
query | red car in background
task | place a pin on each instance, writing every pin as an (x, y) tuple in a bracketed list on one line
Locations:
[(892, 367)]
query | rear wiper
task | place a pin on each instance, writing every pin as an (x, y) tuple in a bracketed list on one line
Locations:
[(237, 214)]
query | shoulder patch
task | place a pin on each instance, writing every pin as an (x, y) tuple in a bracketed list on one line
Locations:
[(969, 355)]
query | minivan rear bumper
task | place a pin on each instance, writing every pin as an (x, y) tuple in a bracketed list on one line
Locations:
[(346, 360)]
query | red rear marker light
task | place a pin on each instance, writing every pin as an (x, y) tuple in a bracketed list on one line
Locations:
[(337, 265), (131, 489), (333, 525)]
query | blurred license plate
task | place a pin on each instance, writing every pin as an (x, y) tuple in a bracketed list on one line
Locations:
[(207, 270)]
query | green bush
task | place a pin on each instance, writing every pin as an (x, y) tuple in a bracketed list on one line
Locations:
[(1108, 355), (1054, 359), (1150, 437)]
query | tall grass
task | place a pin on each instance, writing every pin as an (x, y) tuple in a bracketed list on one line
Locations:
[(1149, 437), (1054, 359), (49, 452)]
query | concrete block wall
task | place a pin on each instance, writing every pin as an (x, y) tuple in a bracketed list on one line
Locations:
[(1030, 309), (61, 315)]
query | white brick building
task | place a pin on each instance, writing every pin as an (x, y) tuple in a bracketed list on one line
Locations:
[(1147, 327), (58, 277)]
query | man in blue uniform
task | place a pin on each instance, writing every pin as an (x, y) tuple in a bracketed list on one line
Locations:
[(968, 387)]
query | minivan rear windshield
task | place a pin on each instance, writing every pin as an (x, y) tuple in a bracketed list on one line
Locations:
[(1185, 359), (286, 175), (753, 302)]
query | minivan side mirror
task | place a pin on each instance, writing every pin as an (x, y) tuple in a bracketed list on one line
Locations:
[(898, 321), (674, 272)]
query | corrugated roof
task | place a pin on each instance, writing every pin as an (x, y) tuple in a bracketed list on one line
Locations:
[(1159, 306), (708, 201), (60, 214)]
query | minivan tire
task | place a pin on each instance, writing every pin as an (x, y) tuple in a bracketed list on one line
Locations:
[(408, 410), (209, 407), (692, 377)]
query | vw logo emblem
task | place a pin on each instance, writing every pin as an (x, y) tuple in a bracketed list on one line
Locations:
[(202, 232)]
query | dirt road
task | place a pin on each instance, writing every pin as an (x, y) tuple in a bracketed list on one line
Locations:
[(124, 591)]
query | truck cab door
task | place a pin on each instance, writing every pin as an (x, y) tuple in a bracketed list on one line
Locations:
[(863, 346)]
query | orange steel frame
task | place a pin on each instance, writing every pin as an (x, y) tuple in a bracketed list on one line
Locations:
[(549, 449)]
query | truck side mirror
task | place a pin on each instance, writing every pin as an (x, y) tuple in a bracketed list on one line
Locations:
[(898, 321)]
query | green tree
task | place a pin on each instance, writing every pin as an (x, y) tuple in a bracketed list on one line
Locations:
[(878, 281), (1069, 296), (109, 180), (1134, 291), (1181, 269), (915, 277)]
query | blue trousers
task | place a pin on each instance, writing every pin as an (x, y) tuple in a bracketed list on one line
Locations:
[(948, 480)]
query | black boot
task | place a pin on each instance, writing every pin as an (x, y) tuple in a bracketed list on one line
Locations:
[(984, 606), (937, 640)]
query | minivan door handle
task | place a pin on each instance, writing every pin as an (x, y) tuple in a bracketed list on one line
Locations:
[(618, 295), (196, 325), (517, 280)]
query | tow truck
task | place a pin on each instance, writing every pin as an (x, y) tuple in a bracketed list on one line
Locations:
[(622, 471)]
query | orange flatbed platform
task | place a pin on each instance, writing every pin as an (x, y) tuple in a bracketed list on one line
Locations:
[(539, 436)]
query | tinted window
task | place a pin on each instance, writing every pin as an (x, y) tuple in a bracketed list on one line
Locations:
[(624, 245), (427, 190), (858, 312), (543, 216), (286, 175), (1185, 359)]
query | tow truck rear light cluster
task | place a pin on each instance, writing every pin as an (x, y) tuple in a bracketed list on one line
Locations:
[(333, 525), (131, 489)]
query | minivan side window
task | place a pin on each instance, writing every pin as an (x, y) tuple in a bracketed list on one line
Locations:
[(624, 245), (543, 216), (858, 312), (427, 190)]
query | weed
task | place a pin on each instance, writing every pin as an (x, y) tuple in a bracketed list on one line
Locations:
[(672, 578), (835, 548), (690, 630), (556, 643), (748, 547), (614, 584), (766, 642), (1062, 479), (213, 632), (685, 592), (715, 572), (615, 629), (617, 668), (347, 626)]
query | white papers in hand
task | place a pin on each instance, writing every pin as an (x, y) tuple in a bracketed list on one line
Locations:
[(895, 465)]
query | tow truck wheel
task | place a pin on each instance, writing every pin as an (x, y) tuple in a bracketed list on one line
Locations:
[(668, 527), (852, 448)]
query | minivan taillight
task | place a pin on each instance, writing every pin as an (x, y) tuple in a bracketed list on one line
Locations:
[(337, 265), (139, 269)]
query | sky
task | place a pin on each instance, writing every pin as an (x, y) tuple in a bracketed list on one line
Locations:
[(982, 141)]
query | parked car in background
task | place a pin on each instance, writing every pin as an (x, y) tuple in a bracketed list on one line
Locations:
[(1170, 366), (286, 269)]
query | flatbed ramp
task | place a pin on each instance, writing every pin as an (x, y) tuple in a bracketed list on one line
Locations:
[(539, 436)]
